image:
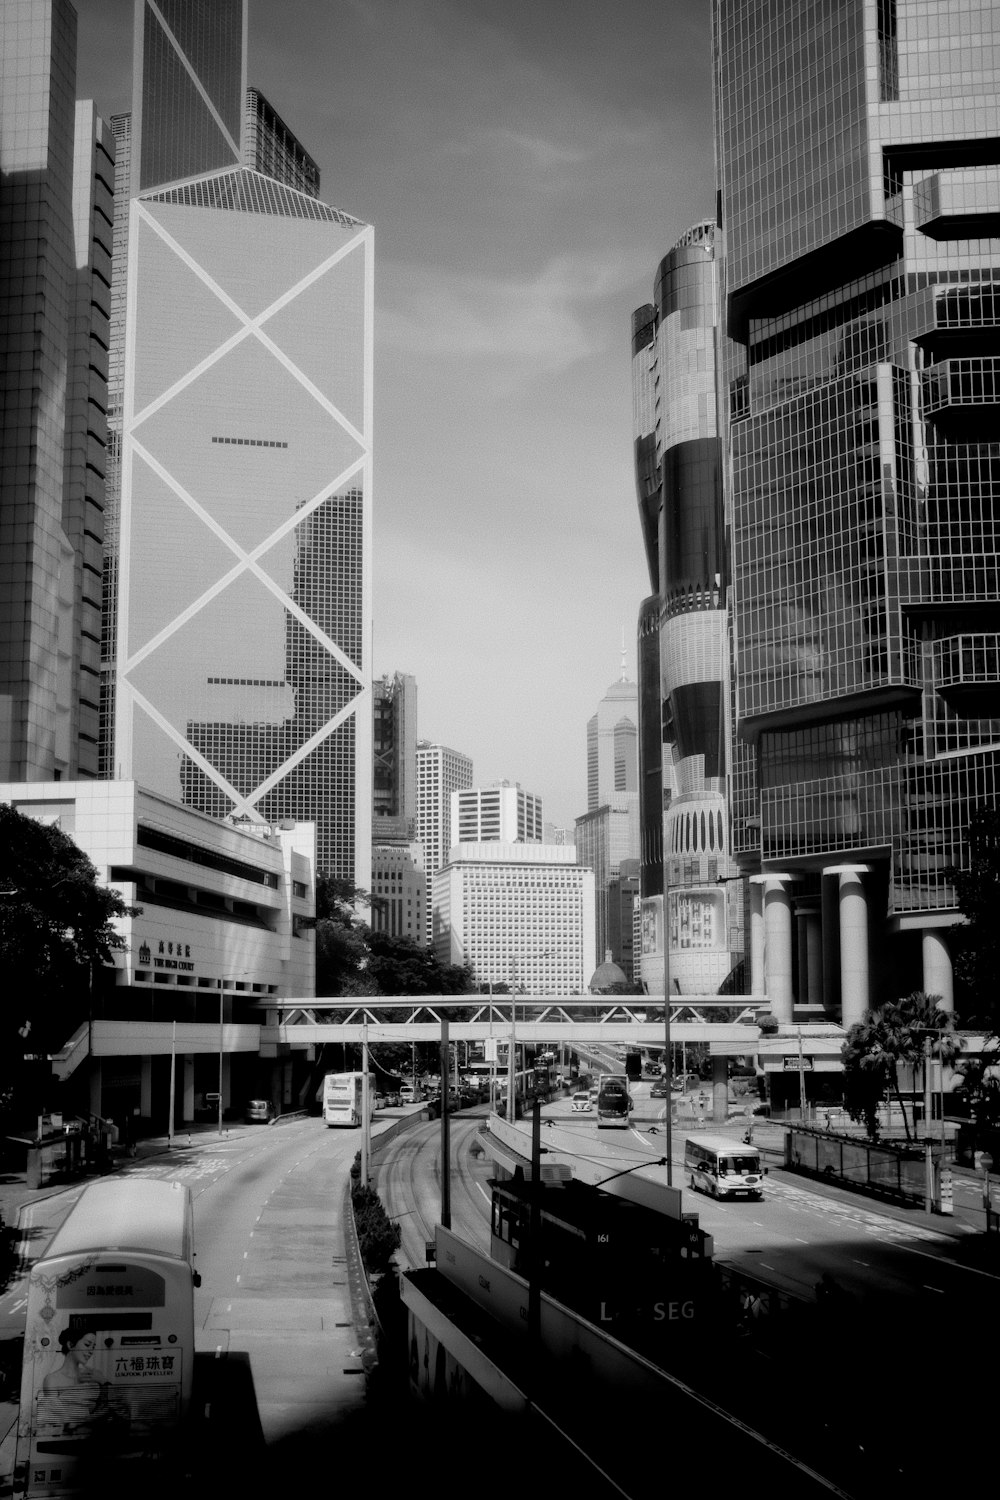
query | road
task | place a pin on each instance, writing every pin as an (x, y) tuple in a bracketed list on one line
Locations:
[(277, 1360), (839, 1389)]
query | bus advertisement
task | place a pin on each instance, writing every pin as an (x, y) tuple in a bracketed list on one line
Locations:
[(342, 1096), (109, 1342)]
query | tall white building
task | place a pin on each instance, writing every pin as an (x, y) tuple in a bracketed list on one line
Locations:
[(242, 678), (501, 812), (440, 771), (521, 915)]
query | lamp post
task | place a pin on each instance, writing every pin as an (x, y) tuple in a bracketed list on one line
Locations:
[(222, 1001), (668, 1123)]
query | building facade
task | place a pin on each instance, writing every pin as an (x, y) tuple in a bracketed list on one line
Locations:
[(57, 160), (440, 771), (222, 925), (394, 749), (682, 636), (859, 165), (522, 915), (503, 811), (612, 744), (242, 595), (399, 890), (605, 839)]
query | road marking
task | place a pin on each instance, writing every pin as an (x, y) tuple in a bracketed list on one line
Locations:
[(765, 1267), (929, 1288), (484, 1192), (800, 1242), (862, 1262), (238, 1278)]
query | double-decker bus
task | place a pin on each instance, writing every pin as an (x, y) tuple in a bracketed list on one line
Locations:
[(109, 1344), (342, 1096), (614, 1102)]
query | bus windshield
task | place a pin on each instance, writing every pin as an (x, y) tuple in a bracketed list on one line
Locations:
[(739, 1164)]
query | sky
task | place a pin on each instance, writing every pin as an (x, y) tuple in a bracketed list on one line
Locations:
[(526, 164)]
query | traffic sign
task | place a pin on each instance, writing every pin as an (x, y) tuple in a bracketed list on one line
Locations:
[(792, 1064)]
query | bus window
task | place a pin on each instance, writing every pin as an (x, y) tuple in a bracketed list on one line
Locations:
[(109, 1338)]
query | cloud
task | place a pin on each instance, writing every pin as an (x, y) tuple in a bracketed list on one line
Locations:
[(546, 319)]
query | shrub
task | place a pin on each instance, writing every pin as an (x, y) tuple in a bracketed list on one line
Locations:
[(378, 1237)]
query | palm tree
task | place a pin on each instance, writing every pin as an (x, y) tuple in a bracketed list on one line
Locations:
[(894, 1033)]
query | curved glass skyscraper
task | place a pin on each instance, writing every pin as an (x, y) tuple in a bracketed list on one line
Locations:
[(682, 627)]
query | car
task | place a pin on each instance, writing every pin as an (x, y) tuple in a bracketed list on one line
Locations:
[(410, 1095), (392, 1097), (259, 1112), (659, 1090), (582, 1102), (381, 1101)]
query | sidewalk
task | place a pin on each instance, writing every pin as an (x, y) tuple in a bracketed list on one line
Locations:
[(15, 1193)]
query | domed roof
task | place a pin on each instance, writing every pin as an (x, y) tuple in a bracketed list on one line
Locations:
[(606, 975)]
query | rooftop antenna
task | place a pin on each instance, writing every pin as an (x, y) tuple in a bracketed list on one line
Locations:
[(624, 677)]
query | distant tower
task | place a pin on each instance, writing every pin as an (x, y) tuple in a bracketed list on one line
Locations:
[(440, 771), (613, 743), (503, 813)]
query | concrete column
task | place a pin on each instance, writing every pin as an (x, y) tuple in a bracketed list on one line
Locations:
[(96, 1080), (757, 980), (802, 966), (855, 996), (778, 946), (814, 956), (830, 945), (720, 1090), (938, 974), (146, 1088), (185, 1085)]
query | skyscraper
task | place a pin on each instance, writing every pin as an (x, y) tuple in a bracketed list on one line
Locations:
[(859, 170), (242, 601), (612, 743), (394, 787), (57, 161), (440, 771), (684, 815)]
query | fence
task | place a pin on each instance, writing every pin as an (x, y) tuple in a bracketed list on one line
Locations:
[(886, 1169)]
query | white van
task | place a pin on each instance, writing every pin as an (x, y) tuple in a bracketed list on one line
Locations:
[(725, 1168), (410, 1093)]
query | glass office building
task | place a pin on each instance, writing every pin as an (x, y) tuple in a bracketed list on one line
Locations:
[(859, 177), (684, 823), (243, 553)]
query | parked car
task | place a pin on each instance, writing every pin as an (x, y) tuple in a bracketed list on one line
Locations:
[(259, 1112), (659, 1090), (392, 1097), (381, 1101), (582, 1102)]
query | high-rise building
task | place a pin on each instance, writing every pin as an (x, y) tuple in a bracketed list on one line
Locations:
[(440, 771), (612, 743), (57, 161), (242, 560), (604, 840), (683, 646), (521, 915), (399, 890), (501, 812), (394, 748), (859, 171)]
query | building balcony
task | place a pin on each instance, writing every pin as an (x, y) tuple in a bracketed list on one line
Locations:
[(967, 673), (961, 398), (959, 205)]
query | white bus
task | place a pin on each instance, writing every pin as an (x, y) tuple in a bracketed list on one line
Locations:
[(725, 1168), (342, 1099), (109, 1342)]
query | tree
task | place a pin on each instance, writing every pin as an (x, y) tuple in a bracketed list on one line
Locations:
[(976, 943), (56, 927), (354, 959), (892, 1034)]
